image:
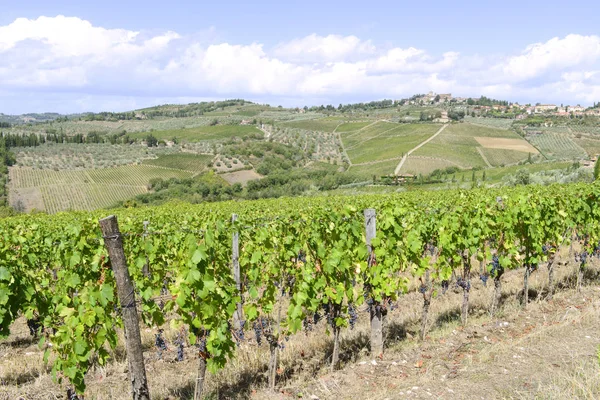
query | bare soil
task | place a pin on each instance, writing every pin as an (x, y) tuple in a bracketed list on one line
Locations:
[(242, 177)]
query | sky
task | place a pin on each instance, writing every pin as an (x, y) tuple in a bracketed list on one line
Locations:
[(75, 56)]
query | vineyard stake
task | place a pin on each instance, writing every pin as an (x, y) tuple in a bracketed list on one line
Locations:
[(376, 312), (113, 242), (238, 315)]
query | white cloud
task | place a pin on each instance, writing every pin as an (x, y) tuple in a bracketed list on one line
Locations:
[(82, 62), (555, 54), (315, 48)]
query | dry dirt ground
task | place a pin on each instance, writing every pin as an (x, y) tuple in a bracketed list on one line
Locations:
[(547, 350), (243, 176), (506, 144)]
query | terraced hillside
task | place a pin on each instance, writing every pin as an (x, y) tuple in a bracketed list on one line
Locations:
[(54, 191)]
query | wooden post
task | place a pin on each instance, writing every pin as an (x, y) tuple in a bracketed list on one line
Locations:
[(375, 311), (125, 290), (146, 268), (238, 315)]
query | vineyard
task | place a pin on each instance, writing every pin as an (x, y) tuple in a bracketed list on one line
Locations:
[(85, 189), (273, 269), (499, 123), (556, 146)]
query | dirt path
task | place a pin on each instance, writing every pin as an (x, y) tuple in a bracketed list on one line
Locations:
[(399, 167), (344, 153), (484, 157)]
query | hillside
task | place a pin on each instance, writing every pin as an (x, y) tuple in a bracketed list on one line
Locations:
[(362, 144)]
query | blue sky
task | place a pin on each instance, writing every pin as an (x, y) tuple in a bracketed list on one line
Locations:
[(114, 55)]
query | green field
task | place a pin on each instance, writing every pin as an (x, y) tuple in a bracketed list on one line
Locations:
[(54, 191), (184, 161), (424, 165), (352, 126), (557, 146), (217, 132), (322, 124), (457, 145), (391, 143), (591, 146), (502, 157), (378, 169), (354, 138)]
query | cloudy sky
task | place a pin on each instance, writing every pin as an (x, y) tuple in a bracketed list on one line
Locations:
[(70, 56)]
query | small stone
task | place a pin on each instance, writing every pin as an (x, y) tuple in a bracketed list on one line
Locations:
[(394, 363), (362, 363), (373, 362), (415, 388), (313, 397)]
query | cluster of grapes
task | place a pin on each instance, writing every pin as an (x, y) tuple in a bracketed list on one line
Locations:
[(422, 288), (353, 315), (239, 333), (261, 326), (164, 291), (496, 268), (484, 279), (431, 248), (34, 326), (160, 343), (301, 256), (546, 249), (391, 304), (466, 285), (445, 286), (180, 342), (201, 344), (161, 305), (71, 394), (581, 257)]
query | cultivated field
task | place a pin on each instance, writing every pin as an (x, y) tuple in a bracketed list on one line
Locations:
[(217, 132), (461, 145), (556, 146), (322, 124), (416, 165), (385, 140), (54, 191), (83, 156), (189, 162), (499, 123), (498, 157)]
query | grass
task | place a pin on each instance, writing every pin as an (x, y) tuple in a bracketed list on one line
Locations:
[(216, 132), (354, 138), (184, 161)]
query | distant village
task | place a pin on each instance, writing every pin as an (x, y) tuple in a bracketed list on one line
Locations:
[(522, 110)]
